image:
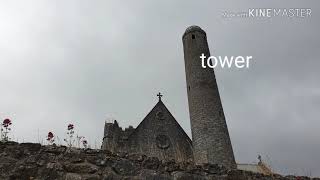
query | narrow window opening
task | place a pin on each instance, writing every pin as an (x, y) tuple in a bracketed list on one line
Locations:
[(193, 36), (189, 88)]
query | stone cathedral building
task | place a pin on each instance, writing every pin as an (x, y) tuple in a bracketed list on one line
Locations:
[(160, 135)]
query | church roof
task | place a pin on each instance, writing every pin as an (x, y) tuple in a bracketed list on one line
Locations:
[(160, 105)]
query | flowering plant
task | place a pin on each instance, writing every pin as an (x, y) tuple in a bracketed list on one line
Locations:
[(85, 143), (79, 139), (50, 138), (5, 129), (70, 132), (82, 140)]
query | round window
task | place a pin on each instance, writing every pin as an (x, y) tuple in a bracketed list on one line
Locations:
[(162, 141)]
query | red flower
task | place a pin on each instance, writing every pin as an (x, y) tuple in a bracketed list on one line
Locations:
[(70, 127), (6, 123), (50, 138), (50, 135)]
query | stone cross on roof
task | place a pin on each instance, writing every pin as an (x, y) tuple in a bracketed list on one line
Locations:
[(159, 95)]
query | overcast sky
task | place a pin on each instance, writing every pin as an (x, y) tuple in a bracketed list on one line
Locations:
[(84, 62)]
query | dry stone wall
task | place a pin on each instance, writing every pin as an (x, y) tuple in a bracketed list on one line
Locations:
[(28, 161)]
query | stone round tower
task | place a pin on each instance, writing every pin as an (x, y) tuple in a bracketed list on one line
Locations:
[(210, 136)]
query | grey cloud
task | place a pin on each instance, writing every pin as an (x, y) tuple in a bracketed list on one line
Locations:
[(84, 62)]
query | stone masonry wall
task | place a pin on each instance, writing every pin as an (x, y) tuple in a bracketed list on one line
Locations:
[(210, 136), (28, 161)]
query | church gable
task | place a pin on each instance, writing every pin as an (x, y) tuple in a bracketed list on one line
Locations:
[(160, 135)]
